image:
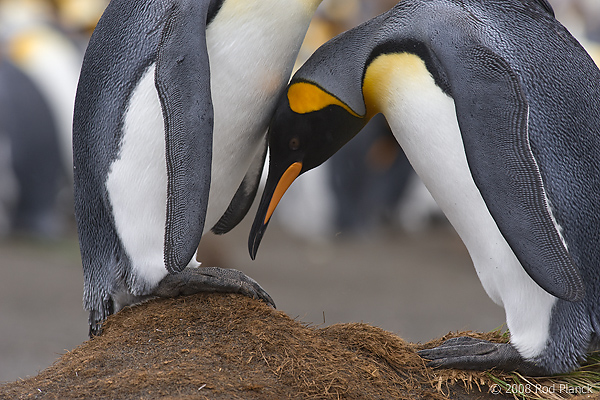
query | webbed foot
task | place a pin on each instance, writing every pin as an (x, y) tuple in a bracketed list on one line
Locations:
[(211, 279), (476, 354)]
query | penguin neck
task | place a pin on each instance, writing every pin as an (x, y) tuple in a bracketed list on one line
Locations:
[(385, 74)]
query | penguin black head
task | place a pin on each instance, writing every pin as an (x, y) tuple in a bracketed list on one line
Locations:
[(308, 127)]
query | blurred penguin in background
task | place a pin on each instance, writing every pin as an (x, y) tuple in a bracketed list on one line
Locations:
[(31, 167), (582, 18), (41, 45), (36, 45)]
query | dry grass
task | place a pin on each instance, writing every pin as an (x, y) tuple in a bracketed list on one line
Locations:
[(233, 347)]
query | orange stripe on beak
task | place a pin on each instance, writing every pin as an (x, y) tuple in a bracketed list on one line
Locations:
[(284, 183)]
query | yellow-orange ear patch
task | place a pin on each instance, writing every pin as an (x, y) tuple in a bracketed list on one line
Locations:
[(305, 97)]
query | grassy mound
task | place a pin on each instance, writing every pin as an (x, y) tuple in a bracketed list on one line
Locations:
[(232, 347)]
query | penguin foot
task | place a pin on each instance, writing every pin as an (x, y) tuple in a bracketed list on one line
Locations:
[(211, 279), (476, 354), (95, 324), (97, 316)]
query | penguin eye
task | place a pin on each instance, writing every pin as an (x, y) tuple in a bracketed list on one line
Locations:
[(294, 143)]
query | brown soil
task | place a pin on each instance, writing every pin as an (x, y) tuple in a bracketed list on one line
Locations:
[(233, 347)]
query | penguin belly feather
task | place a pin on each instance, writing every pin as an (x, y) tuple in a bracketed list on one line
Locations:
[(137, 183)]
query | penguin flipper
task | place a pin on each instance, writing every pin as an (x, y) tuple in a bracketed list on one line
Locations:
[(244, 196), (183, 83), (493, 115)]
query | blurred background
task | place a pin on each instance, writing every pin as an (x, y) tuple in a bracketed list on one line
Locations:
[(358, 239)]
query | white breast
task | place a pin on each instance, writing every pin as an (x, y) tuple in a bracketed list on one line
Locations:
[(424, 122), (137, 183), (252, 46)]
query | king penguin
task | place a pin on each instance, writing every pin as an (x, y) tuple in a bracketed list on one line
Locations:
[(497, 107), (32, 172), (171, 113), (39, 47)]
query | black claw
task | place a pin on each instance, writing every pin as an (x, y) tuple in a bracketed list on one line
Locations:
[(264, 296), (436, 363), (426, 353)]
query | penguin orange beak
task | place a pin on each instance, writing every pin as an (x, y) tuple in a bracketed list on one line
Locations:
[(274, 191)]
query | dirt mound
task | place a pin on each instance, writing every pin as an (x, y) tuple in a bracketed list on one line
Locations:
[(233, 347)]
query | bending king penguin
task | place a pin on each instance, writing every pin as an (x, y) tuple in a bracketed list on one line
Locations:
[(169, 130), (497, 107)]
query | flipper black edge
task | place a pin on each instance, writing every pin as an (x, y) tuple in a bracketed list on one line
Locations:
[(493, 114), (183, 84)]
